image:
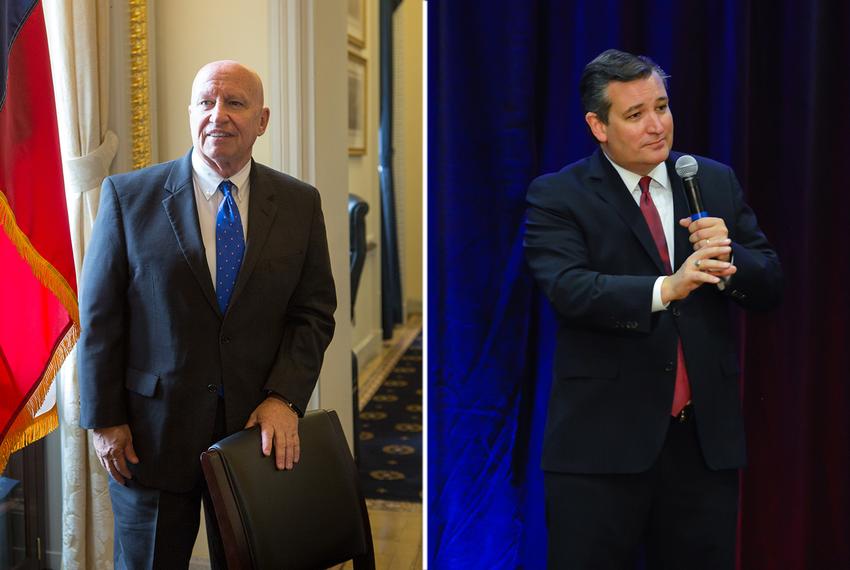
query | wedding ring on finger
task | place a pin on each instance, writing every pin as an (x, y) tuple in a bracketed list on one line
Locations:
[(697, 262), (707, 242)]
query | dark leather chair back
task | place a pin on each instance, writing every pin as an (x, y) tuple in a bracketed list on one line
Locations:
[(311, 517), (357, 210)]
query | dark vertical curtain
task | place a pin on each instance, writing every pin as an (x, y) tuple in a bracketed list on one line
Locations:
[(390, 268), (762, 86)]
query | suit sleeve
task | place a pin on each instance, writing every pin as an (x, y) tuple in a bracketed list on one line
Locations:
[(309, 322), (558, 255), (101, 349), (758, 283)]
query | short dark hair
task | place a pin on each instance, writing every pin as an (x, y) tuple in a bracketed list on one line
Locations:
[(612, 65)]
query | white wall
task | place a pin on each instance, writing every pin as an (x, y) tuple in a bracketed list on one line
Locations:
[(326, 169), (191, 33), (363, 181), (407, 132)]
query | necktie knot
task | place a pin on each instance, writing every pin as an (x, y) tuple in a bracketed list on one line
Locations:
[(644, 185), (228, 206)]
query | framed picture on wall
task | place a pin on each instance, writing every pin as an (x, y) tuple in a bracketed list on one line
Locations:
[(357, 22), (356, 104)]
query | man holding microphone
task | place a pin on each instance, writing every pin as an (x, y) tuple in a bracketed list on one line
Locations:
[(644, 434)]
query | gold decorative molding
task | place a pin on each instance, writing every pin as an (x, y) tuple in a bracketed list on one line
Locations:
[(139, 85)]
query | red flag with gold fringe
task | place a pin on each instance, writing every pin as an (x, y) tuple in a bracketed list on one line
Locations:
[(38, 299)]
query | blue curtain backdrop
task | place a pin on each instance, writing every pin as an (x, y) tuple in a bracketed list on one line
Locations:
[(763, 86)]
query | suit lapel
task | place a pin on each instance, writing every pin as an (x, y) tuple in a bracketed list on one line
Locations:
[(261, 213), (609, 186), (180, 207)]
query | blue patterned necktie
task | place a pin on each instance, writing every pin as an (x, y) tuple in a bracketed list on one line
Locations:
[(229, 245)]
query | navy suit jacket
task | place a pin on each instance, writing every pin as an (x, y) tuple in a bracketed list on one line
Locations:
[(591, 251), (155, 347)]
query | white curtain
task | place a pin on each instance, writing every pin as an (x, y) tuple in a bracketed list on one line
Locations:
[(78, 36)]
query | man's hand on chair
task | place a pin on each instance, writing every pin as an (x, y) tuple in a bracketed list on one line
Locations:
[(279, 429)]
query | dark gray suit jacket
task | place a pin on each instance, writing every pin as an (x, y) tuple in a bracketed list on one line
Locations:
[(590, 249), (155, 347)]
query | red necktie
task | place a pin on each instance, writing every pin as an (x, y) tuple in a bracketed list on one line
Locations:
[(682, 391)]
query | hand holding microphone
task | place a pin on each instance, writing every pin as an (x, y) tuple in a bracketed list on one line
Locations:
[(699, 268), (705, 231)]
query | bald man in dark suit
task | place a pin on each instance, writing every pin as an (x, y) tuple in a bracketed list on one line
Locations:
[(207, 305)]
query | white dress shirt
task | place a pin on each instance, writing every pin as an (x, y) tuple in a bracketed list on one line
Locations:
[(662, 197), (208, 200)]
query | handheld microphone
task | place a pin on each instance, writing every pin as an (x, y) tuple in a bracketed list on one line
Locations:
[(686, 168)]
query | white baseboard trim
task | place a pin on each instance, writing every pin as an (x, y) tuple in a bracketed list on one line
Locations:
[(368, 348), (413, 307)]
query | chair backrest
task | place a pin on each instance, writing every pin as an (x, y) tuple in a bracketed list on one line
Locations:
[(357, 210), (313, 516)]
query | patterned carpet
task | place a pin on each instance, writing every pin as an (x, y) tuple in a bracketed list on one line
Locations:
[(391, 433)]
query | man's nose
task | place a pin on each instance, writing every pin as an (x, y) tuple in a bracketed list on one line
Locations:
[(655, 125), (217, 113)]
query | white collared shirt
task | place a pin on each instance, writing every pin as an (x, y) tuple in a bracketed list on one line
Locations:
[(662, 197), (208, 199)]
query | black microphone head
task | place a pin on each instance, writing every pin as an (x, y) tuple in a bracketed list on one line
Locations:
[(687, 166)]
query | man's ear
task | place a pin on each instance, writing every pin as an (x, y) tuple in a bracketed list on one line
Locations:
[(597, 127), (264, 121)]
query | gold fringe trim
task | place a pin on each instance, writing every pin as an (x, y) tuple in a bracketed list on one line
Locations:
[(60, 353), (31, 431), (26, 428), (41, 268)]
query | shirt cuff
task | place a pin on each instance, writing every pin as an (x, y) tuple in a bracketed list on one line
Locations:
[(657, 304)]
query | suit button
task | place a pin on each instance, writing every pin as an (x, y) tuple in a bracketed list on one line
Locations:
[(676, 312), (225, 340), (669, 367), (212, 388)]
